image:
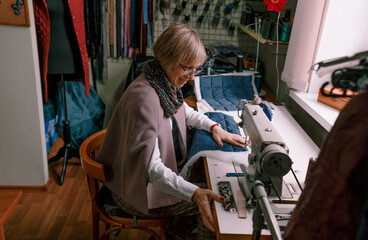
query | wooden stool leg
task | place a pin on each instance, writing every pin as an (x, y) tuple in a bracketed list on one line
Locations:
[(107, 226), (2, 235), (95, 225), (163, 233)]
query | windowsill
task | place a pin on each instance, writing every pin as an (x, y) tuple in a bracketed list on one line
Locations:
[(323, 114)]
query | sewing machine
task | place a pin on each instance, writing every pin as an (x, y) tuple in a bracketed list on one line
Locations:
[(265, 179), (268, 162), (276, 147)]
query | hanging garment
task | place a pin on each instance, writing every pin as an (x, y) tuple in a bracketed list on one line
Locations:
[(96, 47), (42, 22), (132, 23), (118, 28)]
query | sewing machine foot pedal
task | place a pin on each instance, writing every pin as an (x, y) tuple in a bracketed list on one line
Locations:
[(225, 191)]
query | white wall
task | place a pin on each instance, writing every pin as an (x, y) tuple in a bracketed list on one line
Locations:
[(23, 159), (111, 91)]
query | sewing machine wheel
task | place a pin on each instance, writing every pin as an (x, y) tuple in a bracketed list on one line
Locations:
[(275, 161)]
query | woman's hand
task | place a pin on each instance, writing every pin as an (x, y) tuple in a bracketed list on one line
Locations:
[(220, 135), (203, 198)]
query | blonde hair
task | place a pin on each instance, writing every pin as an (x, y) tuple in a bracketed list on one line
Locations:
[(179, 44)]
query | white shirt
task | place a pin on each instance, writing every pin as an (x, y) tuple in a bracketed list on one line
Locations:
[(162, 177)]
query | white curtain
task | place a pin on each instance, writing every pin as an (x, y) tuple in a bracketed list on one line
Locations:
[(323, 30), (302, 45)]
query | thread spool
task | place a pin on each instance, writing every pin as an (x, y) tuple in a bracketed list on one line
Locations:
[(229, 7), (195, 6), (247, 18), (273, 31), (207, 6), (236, 2), (227, 19), (177, 10), (208, 70), (243, 18), (218, 5), (239, 63), (200, 18), (187, 16), (165, 4), (184, 3), (265, 28), (232, 27), (258, 79), (216, 19), (287, 14), (285, 33)]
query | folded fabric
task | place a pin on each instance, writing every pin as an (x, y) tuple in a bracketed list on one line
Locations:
[(203, 144), (85, 113), (223, 92), (51, 124)]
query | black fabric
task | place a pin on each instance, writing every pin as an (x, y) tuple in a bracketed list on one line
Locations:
[(137, 24), (363, 227), (93, 12), (118, 29), (178, 143), (63, 41), (107, 204), (136, 69)]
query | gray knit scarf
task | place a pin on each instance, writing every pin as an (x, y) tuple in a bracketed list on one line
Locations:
[(171, 98)]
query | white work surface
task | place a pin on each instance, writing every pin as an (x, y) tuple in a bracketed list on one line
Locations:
[(301, 148)]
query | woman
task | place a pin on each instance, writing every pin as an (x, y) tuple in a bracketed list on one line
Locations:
[(139, 150)]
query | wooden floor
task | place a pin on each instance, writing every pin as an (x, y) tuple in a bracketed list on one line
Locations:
[(63, 212)]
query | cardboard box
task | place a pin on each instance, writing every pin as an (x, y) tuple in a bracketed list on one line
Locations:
[(338, 103), (249, 63)]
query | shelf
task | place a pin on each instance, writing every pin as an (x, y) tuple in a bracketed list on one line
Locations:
[(262, 40)]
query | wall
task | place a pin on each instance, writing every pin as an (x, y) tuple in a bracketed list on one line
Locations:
[(273, 64), (111, 91), (118, 68), (23, 158), (209, 32)]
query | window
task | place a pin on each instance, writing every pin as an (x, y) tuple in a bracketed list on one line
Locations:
[(323, 30)]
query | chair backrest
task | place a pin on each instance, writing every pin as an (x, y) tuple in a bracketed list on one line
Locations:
[(88, 151), (96, 173)]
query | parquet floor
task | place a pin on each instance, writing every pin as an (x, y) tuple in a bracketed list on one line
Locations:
[(63, 212)]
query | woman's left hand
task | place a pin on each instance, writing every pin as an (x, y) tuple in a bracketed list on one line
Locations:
[(203, 198), (220, 135)]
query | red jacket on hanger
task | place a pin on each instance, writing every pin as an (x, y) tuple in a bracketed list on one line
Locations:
[(42, 21)]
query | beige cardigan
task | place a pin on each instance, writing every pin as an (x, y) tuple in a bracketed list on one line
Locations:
[(129, 143)]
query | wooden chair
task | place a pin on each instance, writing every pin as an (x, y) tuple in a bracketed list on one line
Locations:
[(96, 173)]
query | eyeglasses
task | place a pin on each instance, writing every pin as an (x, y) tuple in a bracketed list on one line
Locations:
[(188, 71)]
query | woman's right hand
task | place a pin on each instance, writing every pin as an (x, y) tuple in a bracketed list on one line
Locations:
[(203, 198)]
